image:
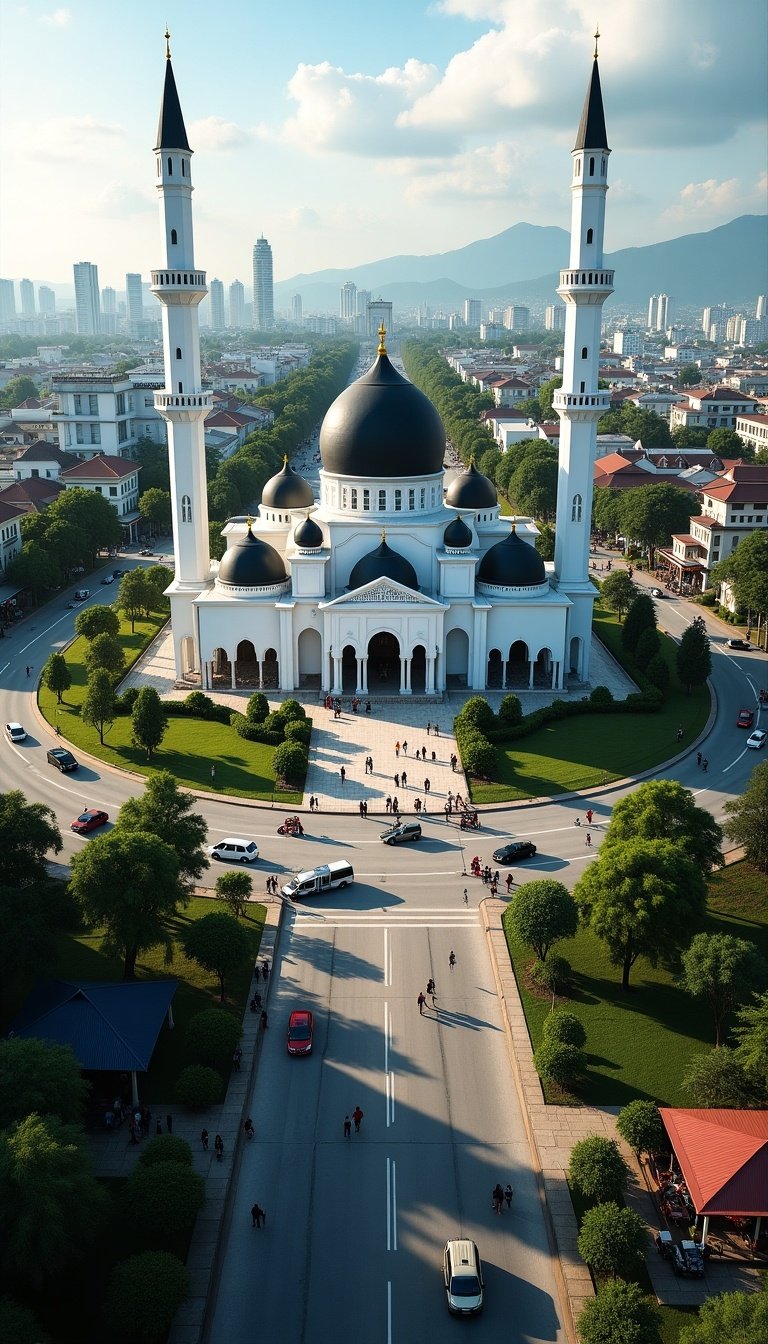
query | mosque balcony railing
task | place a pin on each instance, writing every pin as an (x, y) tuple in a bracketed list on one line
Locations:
[(582, 401), (583, 279), (183, 401), (178, 282)]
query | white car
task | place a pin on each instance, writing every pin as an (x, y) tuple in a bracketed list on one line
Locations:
[(14, 732), (757, 739), (235, 850)]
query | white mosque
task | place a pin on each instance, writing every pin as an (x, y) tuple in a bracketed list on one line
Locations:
[(391, 583)]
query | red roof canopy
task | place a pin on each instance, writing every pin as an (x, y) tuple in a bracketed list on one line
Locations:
[(723, 1155)]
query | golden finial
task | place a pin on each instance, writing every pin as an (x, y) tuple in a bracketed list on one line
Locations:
[(285, 459), (248, 522), (167, 44), (382, 350), (597, 38), (383, 534), (514, 525)]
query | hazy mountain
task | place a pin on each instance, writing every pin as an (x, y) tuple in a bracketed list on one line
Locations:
[(727, 264)]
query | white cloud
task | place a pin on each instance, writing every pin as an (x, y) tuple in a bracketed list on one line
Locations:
[(115, 201), (488, 172), (59, 18), (216, 136), (302, 217), (73, 138), (713, 200)]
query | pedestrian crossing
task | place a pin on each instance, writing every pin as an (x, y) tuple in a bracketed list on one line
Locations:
[(413, 917)]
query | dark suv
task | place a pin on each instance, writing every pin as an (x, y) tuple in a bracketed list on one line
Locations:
[(514, 852), (62, 759)]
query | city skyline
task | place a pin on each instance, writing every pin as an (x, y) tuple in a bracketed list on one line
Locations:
[(360, 139)]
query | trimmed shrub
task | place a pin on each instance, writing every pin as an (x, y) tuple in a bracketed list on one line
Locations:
[(290, 762), (291, 709), (166, 1148), (275, 722), (162, 1201), (257, 708), (478, 756), (648, 646), (199, 704), (143, 1296), (254, 732), (124, 703), (477, 712), (211, 1036), (18, 1325), (510, 710), (640, 1125), (559, 1063), (597, 1169), (566, 1028), (298, 730), (612, 1239), (620, 1314), (554, 974), (657, 673), (600, 696), (198, 1087)]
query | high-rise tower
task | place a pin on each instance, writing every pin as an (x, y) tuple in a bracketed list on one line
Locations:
[(263, 290), (180, 287), (87, 298), (584, 287), (237, 304), (217, 305)]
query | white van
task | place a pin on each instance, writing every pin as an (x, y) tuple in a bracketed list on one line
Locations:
[(323, 878), (463, 1277)]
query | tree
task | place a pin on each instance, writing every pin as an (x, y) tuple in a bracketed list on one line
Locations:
[(162, 1201), (155, 508), (618, 592), (621, 1313), (560, 1063), (211, 1037), (27, 832), (128, 885), (648, 646), (18, 1324), (606, 510), (217, 943), (720, 1080), (104, 651), (148, 721), (640, 1125), (290, 762), (564, 1027), (92, 515), (724, 970), (651, 514), (51, 1206), (546, 393), (541, 913), (746, 571), (725, 443), (143, 1295), (533, 488), (99, 708), (640, 617), (689, 375), (17, 390), (34, 568), (641, 898), (694, 659), (42, 1076), (597, 1169), (664, 807), (730, 1318), (752, 1036), (133, 595), (57, 676), (166, 1148), (234, 889), (747, 823), (198, 1087), (257, 708), (93, 621), (31, 917), (165, 810), (612, 1240), (155, 471), (158, 578)]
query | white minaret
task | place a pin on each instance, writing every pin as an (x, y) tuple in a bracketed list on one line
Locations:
[(180, 287), (584, 287)]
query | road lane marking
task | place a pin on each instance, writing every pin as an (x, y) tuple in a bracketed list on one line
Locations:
[(391, 1204)]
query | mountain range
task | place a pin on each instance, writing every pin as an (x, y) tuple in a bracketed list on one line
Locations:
[(728, 264)]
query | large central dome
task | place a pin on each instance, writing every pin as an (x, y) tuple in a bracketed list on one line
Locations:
[(382, 426)]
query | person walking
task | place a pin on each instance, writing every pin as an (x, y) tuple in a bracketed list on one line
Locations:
[(343, 774), (705, 765), (431, 990), (427, 786), (258, 1216), (508, 1193), (699, 759), (169, 1123), (404, 779), (421, 1001), (589, 841), (388, 803), (498, 1198), (589, 815), (237, 1055), (397, 748), (265, 969), (248, 1129), (452, 959), (213, 774), (347, 1126), (204, 1139), (423, 753), (264, 1019), (357, 1116), (680, 733), (510, 880), (397, 781), (466, 896), (360, 807), (405, 747), (218, 1144)]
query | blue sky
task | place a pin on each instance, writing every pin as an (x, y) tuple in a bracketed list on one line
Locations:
[(349, 131)]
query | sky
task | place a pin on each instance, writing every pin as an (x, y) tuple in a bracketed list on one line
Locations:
[(347, 132)]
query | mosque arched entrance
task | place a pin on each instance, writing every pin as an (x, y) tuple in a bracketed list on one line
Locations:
[(384, 664)]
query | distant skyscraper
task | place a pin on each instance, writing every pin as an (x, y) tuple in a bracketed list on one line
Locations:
[(348, 305), (46, 297), (7, 301), (135, 298), (237, 304), (108, 311), (662, 312), (87, 302), (473, 312), (363, 299), (217, 305), (263, 288), (554, 317), (516, 318), (651, 323), (761, 309), (379, 312), (27, 293), (297, 311)]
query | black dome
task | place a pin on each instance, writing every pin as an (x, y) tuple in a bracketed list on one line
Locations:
[(308, 535), (287, 490), (512, 563), (383, 563), (251, 563), (472, 490), (382, 426), (457, 535)]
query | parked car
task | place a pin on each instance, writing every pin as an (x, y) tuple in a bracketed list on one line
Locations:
[(235, 850), (737, 644), (688, 1260), (514, 852), (301, 1029), (665, 1245), (657, 592), (745, 718), (757, 739), (15, 732), (89, 820), (62, 759)]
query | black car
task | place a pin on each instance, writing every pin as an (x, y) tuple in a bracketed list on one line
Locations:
[(514, 852), (738, 644), (62, 759), (688, 1260)]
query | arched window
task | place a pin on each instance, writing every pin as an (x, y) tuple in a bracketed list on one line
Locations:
[(186, 509), (591, 167), (584, 352), (170, 166), (398, 500), (578, 167), (576, 509), (589, 235), (174, 238), (178, 352)]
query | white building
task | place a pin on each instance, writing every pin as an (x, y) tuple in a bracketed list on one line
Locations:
[(554, 317), (237, 304), (117, 480), (516, 318), (712, 407), (10, 534), (87, 298), (628, 342), (218, 322), (378, 314), (733, 506), (348, 301), (263, 286)]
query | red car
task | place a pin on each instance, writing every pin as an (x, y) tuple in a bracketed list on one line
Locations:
[(89, 820), (745, 719), (301, 1027)]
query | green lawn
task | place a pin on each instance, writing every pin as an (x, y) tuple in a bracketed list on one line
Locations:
[(639, 1043), (243, 769), (581, 753), (82, 958)]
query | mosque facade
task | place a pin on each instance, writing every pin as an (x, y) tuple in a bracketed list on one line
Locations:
[(391, 583)]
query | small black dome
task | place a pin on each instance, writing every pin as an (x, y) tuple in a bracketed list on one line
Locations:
[(308, 535), (251, 563), (382, 426), (471, 490), (287, 490), (512, 563), (383, 563), (457, 535)]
